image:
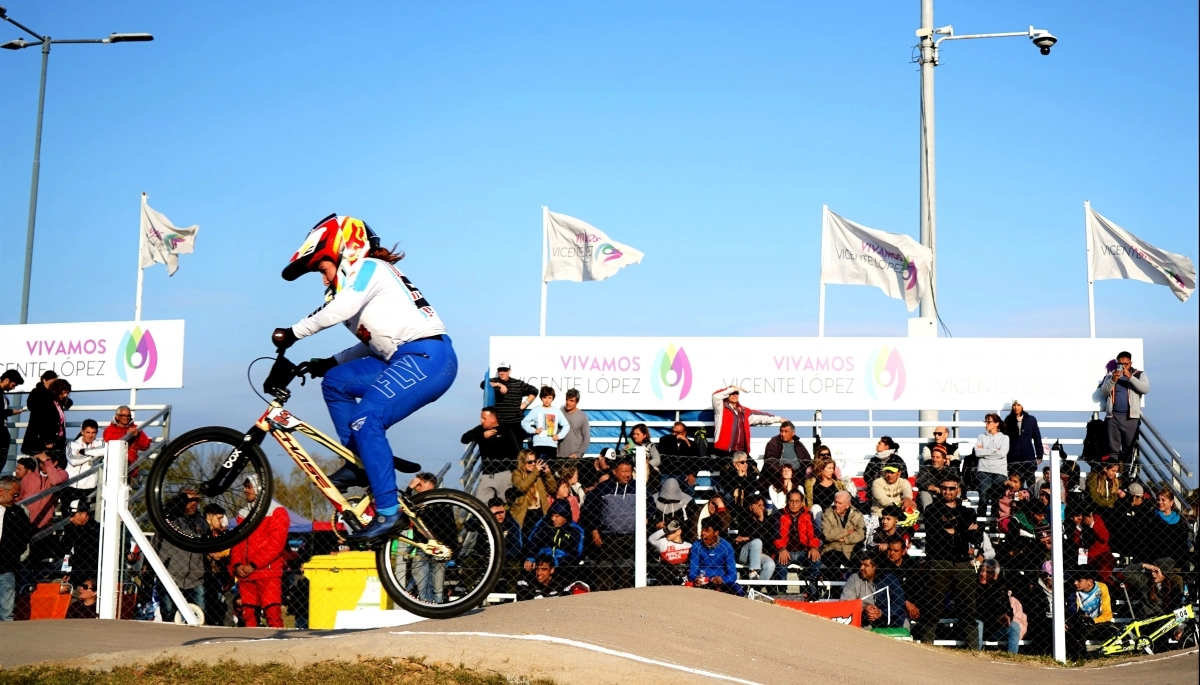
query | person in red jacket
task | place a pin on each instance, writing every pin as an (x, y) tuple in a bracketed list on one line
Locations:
[(257, 564), (797, 542), (1088, 533), (733, 419), (123, 425)]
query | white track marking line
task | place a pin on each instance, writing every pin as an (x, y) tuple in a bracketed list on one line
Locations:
[(587, 646), (1149, 661)]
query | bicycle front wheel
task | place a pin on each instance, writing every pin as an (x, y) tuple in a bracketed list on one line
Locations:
[(207, 471), (435, 588)]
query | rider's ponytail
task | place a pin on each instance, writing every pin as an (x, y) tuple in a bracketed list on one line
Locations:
[(390, 256)]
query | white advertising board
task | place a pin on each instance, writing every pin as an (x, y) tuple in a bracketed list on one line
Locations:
[(105, 355), (1045, 374)]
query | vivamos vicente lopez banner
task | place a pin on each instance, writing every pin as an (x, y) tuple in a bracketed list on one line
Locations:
[(105, 355), (681, 373)]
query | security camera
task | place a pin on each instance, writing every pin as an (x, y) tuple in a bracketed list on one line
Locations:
[(1044, 40)]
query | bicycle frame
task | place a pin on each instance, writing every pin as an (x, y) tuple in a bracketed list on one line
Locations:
[(281, 424), (1131, 639)]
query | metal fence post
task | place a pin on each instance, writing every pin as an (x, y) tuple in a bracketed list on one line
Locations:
[(109, 582), (639, 536), (1058, 606)]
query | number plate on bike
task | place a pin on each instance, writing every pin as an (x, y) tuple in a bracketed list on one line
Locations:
[(1181, 613), (283, 418)]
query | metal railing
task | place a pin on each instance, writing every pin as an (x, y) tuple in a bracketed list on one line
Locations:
[(1163, 462)]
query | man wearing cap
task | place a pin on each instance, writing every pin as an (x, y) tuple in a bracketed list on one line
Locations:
[(187, 569), (1120, 397), (668, 540), (555, 537), (79, 548), (513, 396), (929, 478), (890, 489), (8, 380), (1090, 615), (1129, 522), (732, 421), (15, 531)]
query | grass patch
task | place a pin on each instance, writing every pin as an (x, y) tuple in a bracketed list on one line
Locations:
[(364, 672)]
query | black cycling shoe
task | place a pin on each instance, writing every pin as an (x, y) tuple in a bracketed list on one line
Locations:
[(405, 466), (351, 476)]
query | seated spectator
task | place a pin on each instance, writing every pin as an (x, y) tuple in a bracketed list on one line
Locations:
[(38, 477), (79, 548), (1004, 498), (83, 453), (579, 435), (570, 472), (785, 448), (889, 530), (672, 551), (555, 537), (46, 427), (598, 471), (711, 561), (715, 509), (755, 541), (930, 476), (1090, 615), (885, 455), (941, 438), (797, 541), (15, 532), (1166, 533), (1129, 520), (1156, 585), (563, 492), (890, 489), (783, 483), (737, 480), (732, 421), (542, 585), (122, 426), (497, 452), (991, 447), (821, 488), (672, 502), (1104, 485), (639, 436), (1000, 615), (913, 581), (547, 424), (678, 453), (84, 600), (610, 518), (511, 530), (882, 610), (1088, 534), (534, 484), (843, 529)]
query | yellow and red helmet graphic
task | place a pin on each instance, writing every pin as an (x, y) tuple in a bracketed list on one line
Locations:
[(335, 238)]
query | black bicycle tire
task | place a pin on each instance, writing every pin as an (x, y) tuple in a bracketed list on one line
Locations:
[(163, 462), (476, 596)]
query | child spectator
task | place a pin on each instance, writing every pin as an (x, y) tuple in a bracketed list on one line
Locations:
[(556, 538), (547, 424)]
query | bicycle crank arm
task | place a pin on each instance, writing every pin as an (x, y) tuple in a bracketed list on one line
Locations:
[(232, 467), (436, 550)]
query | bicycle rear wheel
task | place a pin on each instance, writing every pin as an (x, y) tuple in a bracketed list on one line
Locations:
[(202, 471), (444, 589)]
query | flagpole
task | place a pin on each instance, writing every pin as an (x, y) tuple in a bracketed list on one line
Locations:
[(1087, 234), (137, 299), (545, 227), (821, 306)]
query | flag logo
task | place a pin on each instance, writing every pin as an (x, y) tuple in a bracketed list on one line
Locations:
[(885, 369), (671, 369), (137, 352), (608, 252), (910, 273)]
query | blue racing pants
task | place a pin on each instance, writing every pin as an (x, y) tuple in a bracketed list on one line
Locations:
[(367, 396)]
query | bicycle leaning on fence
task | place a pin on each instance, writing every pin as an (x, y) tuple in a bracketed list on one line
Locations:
[(443, 563), (1179, 628)]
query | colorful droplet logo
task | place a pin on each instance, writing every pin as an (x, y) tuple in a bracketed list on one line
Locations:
[(885, 369), (137, 356), (910, 273), (671, 369), (608, 252)]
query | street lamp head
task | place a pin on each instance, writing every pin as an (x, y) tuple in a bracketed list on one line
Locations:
[(17, 44), (1044, 40), (129, 38)]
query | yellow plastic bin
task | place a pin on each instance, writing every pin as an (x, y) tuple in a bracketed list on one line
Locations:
[(341, 582)]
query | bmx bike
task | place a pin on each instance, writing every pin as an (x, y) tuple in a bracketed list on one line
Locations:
[(1145, 635), (441, 561)]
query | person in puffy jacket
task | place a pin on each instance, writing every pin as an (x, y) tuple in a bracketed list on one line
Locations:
[(732, 421), (122, 426), (257, 563), (555, 537)]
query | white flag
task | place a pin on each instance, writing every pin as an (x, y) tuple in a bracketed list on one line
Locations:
[(1117, 253), (580, 251), (856, 255), (162, 240)]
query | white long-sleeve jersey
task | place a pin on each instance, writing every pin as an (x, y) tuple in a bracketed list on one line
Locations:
[(380, 307)]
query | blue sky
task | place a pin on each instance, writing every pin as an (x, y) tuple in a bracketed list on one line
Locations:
[(707, 135)]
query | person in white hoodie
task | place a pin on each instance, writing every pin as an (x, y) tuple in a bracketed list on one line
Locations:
[(548, 424), (83, 453)]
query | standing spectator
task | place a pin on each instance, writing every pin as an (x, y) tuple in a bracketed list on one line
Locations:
[(83, 453), (534, 484), (429, 574), (756, 539), (548, 425), (822, 487), (513, 396), (1024, 442), (1104, 485), (1092, 616), (864, 585), (843, 528), (42, 477), (15, 532), (992, 449), (1166, 532), (712, 564), (941, 436), (639, 436), (543, 584), (951, 534), (678, 454), (931, 475), (258, 563), (732, 421), (998, 615), (579, 433), (79, 548), (555, 537), (46, 430), (1087, 533), (1120, 397), (782, 484), (610, 517), (514, 545), (737, 480), (890, 489), (187, 569), (123, 427), (785, 448), (497, 452), (8, 380), (885, 455)]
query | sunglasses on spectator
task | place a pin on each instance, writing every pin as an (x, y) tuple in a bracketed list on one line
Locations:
[(939, 432), (740, 461), (531, 461), (90, 588), (949, 487)]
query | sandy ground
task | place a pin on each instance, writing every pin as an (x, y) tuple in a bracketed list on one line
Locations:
[(662, 635)]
